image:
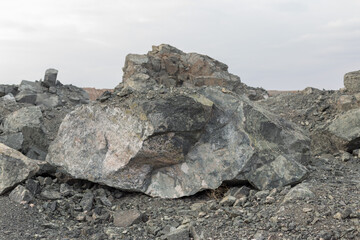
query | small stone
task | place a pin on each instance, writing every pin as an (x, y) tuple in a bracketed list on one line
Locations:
[(306, 210), (240, 202), (21, 195), (87, 201), (261, 195), (33, 186), (300, 192), (345, 157), (269, 200), (178, 234), (48, 181), (105, 201), (202, 214), (338, 216), (127, 218), (66, 190), (228, 201), (50, 195)]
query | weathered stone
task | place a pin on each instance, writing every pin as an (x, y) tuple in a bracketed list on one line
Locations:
[(24, 117), (169, 66), (49, 194), (48, 100), (228, 201), (21, 195), (175, 143), (178, 234), (8, 89), (238, 192), (127, 218), (14, 168), (352, 81), (33, 186), (50, 77), (12, 140), (87, 201), (299, 192), (342, 134)]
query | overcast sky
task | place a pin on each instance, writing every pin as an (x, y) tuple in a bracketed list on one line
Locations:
[(275, 44)]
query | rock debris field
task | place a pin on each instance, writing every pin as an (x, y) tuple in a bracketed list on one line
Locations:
[(180, 149)]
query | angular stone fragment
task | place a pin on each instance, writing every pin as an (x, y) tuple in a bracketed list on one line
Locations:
[(299, 192), (21, 195), (12, 140), (342, 134), (15, 168), (24, 117), (127, 218)]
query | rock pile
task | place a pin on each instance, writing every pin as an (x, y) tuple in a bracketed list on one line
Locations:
[(31, 112), (178, 125)]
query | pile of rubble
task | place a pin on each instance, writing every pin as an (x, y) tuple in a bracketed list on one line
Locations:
[(180, 126), (32, 112)]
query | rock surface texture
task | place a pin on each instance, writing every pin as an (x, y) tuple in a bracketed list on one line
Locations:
[(15, 168), (352, 81), (172, 141), (31, 113)]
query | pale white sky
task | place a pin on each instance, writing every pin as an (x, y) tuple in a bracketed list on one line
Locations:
[(275, 44)]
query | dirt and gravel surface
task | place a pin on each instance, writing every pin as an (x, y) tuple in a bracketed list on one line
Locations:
[(331, 210)]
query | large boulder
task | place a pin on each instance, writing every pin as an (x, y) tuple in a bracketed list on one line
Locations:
[(174, 143), (15, 168), (343, 133), (352, 81)]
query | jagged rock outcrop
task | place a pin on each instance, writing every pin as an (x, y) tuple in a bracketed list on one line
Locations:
[(352, 81), (172, 67), (154, 135)]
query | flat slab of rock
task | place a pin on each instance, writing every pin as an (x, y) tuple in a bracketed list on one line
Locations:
[(15, 168)]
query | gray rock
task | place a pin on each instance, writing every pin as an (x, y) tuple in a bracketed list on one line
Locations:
[(299, 192), (14, 168), (175, 143), (33, 186), (127, 218), (238, 192), (87, 201), (228, 201), (50, 77), (9, 97), (50, 194), (12, 140), (47, 100), (342, 134), (24, 117), (177, 234), (21, 195), (169, 66), (8, 89), (352, 81)]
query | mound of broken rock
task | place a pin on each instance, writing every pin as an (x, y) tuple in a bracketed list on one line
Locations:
[(179, 124)]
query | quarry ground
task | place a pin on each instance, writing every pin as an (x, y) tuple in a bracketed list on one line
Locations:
[(332, 213)]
